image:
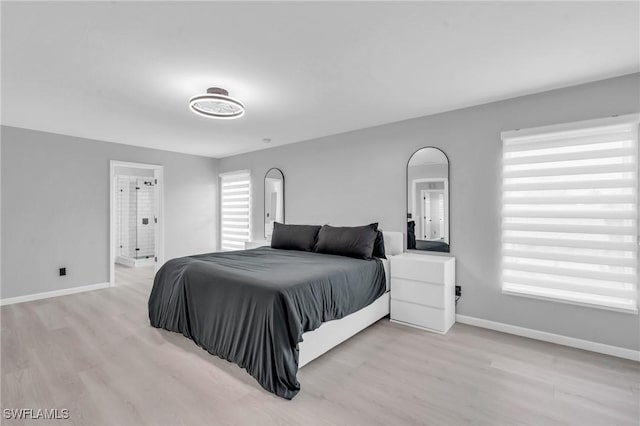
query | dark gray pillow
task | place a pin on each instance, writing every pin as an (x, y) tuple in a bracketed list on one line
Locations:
[(294, 237), (352, 241), (378, 247)]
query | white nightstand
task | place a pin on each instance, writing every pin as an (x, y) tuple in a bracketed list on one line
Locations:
[(255, 244), (423, 291)]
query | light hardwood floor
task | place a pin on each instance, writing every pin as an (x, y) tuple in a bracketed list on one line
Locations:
[(95, 354)]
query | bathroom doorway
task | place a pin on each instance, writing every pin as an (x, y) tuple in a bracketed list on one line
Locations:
[(136, 222)]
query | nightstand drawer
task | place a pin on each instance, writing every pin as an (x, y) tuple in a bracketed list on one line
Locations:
[(418, 292), (422, 316), (413, 268)]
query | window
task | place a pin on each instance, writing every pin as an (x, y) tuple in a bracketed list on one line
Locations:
[(570, 213), (235, 210)]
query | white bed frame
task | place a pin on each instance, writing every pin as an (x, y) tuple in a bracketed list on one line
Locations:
[(331, 333)]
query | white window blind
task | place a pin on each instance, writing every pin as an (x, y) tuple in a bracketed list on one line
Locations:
[(570, 213), (235, 210)]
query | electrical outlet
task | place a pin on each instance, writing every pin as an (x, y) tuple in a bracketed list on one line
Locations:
[(458, 290), (63, 272)]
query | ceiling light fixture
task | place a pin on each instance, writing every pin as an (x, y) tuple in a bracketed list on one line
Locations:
[(216, 103)]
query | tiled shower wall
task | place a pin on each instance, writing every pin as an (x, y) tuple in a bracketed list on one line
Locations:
[(125, 222), (135, 206)]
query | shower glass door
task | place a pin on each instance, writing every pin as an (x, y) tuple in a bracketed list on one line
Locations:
[(145, 218)]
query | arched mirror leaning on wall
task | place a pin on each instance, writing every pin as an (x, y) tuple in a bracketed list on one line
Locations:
[(428, 201), (273, 200)]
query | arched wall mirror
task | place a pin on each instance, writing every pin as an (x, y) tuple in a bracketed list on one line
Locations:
[(273, 200), (428, 201)]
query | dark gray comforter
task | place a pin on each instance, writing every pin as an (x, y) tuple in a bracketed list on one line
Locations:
[(251, 307)]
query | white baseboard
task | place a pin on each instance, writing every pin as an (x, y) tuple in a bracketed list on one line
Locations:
[(552, 338), (55, 293)]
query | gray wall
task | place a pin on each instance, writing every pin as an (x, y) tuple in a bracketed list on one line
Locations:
[(359, 177), (55, 208)]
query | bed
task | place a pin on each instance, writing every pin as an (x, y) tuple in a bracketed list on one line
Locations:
[(271, 311)]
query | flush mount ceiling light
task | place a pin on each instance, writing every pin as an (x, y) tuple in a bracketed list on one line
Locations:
[(216, 103)]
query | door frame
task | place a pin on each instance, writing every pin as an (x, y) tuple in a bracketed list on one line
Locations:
[(158, 173)]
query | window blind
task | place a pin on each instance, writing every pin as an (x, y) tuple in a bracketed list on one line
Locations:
[(235, 210), (570, 213)]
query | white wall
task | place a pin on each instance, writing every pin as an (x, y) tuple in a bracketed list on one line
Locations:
[(132, 171), (55, 208), (359, 177)]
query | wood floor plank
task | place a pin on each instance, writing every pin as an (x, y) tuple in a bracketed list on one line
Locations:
[(96, 354)]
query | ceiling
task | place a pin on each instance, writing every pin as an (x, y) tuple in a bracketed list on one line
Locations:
[(124, 71)]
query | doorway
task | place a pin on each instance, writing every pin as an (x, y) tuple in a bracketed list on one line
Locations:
[(432, 214), (429, 207), (136, 225)]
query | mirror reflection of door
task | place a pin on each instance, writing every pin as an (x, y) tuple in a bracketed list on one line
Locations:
[(428, 201), (273, 200), (432, 214)]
